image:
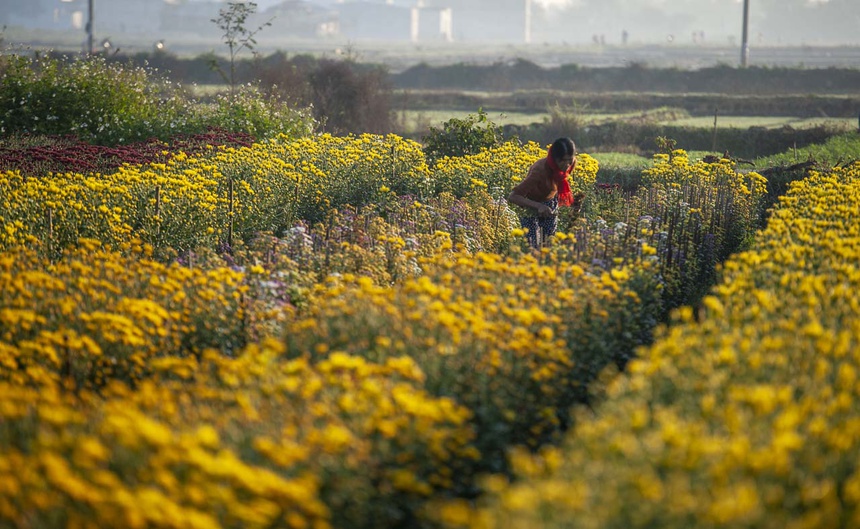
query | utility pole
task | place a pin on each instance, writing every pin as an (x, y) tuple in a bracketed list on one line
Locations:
[(527, 37), (89, 50), (745, 45)]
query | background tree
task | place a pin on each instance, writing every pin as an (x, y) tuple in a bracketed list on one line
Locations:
[(345, 96), (350, 98), (231, 20)]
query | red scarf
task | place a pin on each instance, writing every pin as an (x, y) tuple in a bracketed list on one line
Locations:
[(565, 197)]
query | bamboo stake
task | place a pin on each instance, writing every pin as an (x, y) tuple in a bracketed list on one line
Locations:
[(158, 211), (50, 215), (393, 163)]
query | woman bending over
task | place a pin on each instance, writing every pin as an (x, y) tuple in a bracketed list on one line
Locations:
[(543, 189)]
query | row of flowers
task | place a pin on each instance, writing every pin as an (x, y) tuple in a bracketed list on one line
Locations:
[(255, 441), (40, 155), (140, 388), (338, 192), (231, 194), (116, 396), (741, 416)]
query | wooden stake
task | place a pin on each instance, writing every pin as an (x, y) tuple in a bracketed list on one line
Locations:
[(158, 211), (714, 142), (230, 227)]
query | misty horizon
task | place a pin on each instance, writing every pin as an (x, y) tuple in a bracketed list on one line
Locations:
[(597, 26), (771, 22)]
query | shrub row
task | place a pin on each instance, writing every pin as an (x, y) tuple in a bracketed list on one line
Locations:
[(111, 104), (524, 75), (749, 144), (807, 104)]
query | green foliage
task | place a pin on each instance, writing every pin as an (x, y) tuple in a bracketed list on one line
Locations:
[(99, 102), (349, 99), (781, 170), (107, 103), (622, 169), (837, 149), (459, 137), (638, 137), (665, 145), (564, 122), (248, 111)]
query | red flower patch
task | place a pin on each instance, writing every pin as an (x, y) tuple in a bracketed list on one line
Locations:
[(40, 155)]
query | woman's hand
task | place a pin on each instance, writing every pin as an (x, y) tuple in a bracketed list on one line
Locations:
[(544, 211)]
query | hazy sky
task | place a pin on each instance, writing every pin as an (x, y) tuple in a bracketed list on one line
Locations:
[(772, 22), (614, 22)]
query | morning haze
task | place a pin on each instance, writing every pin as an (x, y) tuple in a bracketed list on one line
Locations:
[(604, 30)]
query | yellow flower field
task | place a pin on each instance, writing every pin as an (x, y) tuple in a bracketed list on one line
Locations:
[(745, 416), (255, 441), (322, 332)]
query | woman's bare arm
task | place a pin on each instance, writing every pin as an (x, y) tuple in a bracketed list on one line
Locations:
[(540, 208)]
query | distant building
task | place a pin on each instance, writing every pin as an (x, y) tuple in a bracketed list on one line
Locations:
[(391, 20), (397, 21), (192, 17), (498, 21), (373, 20), (432, 24), (289, 18), (120, 16), (55, 14), (130, 16), (298, 18)]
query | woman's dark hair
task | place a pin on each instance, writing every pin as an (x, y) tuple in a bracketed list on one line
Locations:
[(562, 147)]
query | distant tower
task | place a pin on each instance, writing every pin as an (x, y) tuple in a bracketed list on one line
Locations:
[(528, 22)]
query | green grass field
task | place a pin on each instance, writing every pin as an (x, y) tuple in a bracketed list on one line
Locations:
[(415, 121), (770, 122), (412, 121)]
